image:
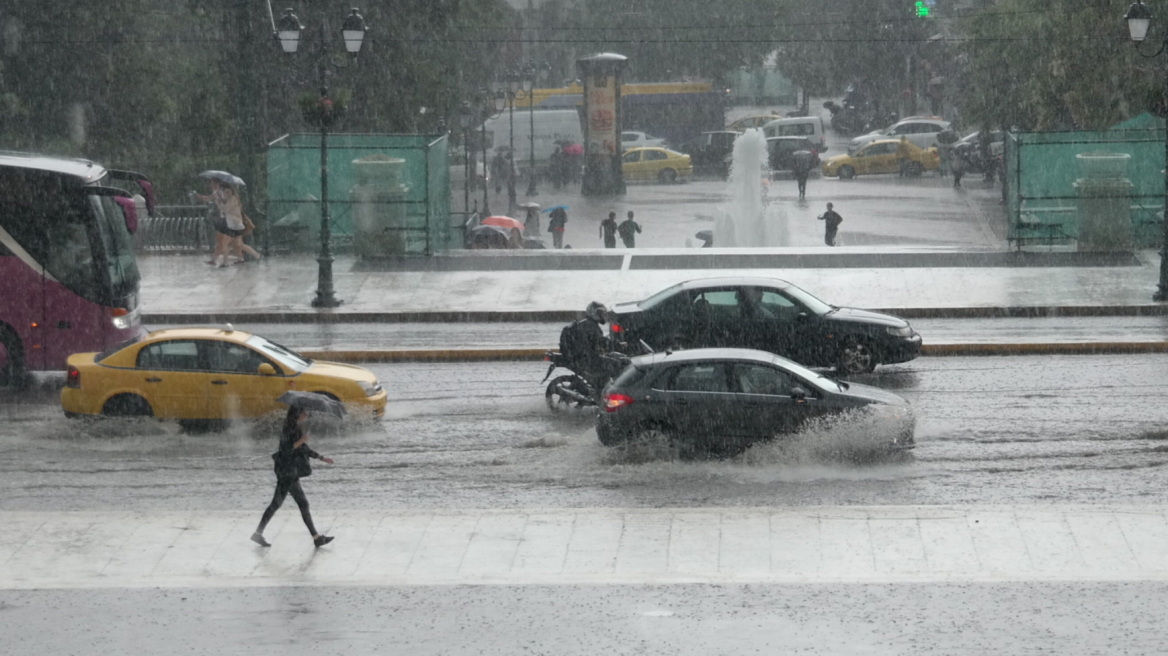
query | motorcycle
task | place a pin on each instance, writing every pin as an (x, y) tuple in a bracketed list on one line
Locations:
[(575, 390)]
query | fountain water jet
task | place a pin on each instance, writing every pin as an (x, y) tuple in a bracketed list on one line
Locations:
[(747, 221)]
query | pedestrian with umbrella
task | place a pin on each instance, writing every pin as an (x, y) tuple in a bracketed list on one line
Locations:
[(558, 220), (291, 461), (230, 223)]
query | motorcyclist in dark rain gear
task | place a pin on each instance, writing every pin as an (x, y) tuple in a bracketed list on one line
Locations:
[(587, 351)]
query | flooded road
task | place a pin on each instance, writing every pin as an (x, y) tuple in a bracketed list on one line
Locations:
[(1073, 429)]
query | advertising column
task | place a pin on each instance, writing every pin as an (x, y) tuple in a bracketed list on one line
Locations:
[(602, 127)]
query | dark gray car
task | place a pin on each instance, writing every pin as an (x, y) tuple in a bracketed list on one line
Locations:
[(732, 398)]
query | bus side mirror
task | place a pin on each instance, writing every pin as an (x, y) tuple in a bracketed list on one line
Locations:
[(129, 211), (266, 369)]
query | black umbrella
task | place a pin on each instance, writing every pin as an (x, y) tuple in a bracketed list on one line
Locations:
[(313, 402)]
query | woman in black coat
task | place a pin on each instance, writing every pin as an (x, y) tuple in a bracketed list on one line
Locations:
[(291, 463)]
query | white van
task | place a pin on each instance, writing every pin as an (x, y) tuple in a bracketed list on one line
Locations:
[(551, 125), (798, 126)]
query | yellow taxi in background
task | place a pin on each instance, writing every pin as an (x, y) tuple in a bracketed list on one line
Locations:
[(652, 163), (880, 157), (208, 374)]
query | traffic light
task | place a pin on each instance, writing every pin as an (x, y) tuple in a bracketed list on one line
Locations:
[(923, 8)]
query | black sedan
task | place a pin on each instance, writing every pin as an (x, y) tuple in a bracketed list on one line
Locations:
[(767, 314), (727, 399)]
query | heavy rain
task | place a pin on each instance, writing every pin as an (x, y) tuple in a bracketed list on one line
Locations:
[(868, 355)]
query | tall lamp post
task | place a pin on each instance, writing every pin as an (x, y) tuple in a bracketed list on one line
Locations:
[(465, 116), (511, 87), (1138, 18), (353, 32), (493, 104), (528, 86)]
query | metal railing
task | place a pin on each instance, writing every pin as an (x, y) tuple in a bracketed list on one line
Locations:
[(175, 229)]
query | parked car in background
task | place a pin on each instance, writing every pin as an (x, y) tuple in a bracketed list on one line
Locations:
[(208, 374), (921, 131), (798, 126), (781, 150), (710, 151), (726, 399), (659, 164), (634, 139), (767, 314), (969, 149), (881, 157), (748, 122)]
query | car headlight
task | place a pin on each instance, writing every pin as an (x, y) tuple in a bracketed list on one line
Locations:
[(371, 389), (900, 331)]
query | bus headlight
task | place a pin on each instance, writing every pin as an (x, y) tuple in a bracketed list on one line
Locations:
[(124, 319)]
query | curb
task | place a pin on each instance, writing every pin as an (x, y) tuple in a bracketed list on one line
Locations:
[(927, 350), (554, 316)]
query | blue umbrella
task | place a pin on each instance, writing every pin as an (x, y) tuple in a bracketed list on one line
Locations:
[(554, 208), (224, 176)]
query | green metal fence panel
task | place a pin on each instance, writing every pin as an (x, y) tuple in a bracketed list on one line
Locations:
[(1045, 172), (388, 193)]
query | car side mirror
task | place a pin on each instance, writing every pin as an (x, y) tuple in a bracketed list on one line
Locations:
[(802, 316), (266, 369), (798, 394)]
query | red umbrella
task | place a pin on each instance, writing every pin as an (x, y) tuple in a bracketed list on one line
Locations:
[(503, 222), (574, 149)]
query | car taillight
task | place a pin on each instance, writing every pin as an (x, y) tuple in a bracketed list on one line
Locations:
[(616, 328), (613, 402), (73, 378)]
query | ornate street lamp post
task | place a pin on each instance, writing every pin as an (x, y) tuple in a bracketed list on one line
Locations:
[(353, 32), (1138, 19)]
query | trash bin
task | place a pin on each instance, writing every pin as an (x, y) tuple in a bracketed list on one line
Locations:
[(1104, 203), (379, 212)]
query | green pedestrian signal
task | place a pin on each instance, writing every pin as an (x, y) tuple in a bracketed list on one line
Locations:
[(922, 9)]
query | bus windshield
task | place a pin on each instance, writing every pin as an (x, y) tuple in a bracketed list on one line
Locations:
[(117, 246), (81, 240)]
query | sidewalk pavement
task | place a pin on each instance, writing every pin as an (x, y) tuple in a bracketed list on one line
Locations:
[(878, 544), (560, 546), (550, 286)]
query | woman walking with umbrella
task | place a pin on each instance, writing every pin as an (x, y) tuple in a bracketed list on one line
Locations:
[(291, 464)]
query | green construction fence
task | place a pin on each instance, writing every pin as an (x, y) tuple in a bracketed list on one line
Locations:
[(1045, 174), (389, 194)]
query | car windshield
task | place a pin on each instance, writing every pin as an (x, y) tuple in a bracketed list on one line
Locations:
[(810, 302), (282, 354), (825, 383)]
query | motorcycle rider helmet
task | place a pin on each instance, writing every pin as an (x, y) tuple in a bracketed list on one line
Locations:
[(597, 312)]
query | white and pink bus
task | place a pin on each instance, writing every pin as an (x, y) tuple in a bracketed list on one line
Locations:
[(68, 277)]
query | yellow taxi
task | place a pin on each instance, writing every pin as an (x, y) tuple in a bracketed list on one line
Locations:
[(652, 163), (208, 374), (881, 157)]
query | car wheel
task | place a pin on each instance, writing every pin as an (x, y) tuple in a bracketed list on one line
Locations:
[(12, 374), (127, 405), (913, 169), (566, 392), (847, 172), (668, 176), (856, 357)]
